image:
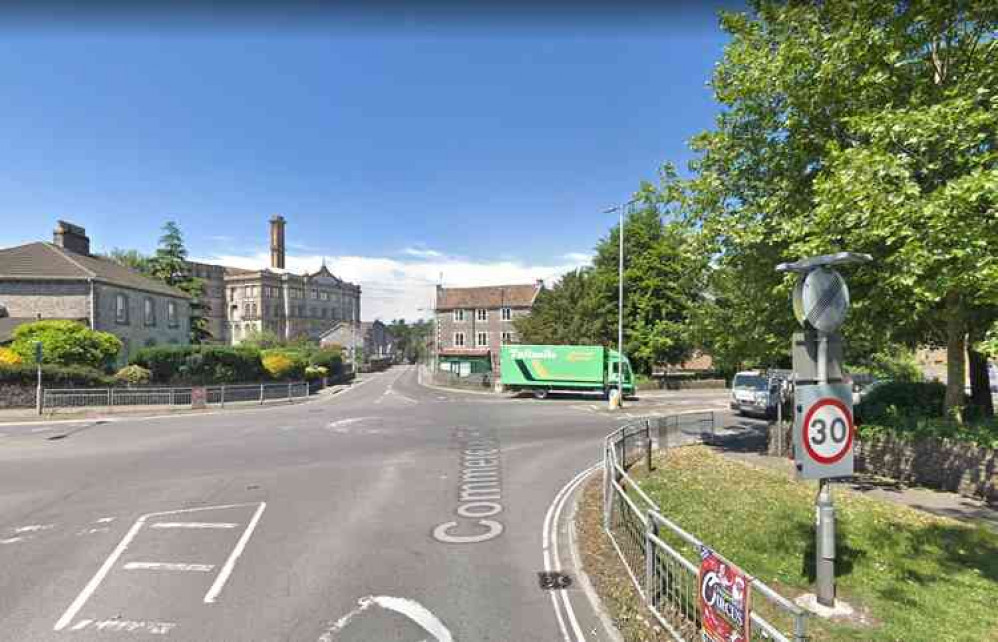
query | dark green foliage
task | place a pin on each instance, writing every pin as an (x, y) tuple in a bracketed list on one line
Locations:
[(54, 376), (201, 364), (169, 265), (329, 358), (895, 400)]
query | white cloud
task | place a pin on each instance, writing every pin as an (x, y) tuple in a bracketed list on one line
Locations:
[(580, 258), (422, 253), (392, 288)]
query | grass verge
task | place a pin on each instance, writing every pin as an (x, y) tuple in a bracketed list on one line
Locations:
[(912, 576)]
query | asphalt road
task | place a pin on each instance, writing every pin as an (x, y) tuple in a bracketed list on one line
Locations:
[(390, 511)]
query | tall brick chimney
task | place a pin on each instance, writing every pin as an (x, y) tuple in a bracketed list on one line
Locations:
[(277, 242), (71, 237)]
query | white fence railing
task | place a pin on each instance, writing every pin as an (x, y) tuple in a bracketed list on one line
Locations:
[(56, 399), (659, 556)]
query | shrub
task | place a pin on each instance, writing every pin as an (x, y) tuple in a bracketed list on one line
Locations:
[(896, 402), (284, 364), (66, 343), (330, 358), (55, 376), (10, 358), (201, 364), (133, 375), (316, 372)]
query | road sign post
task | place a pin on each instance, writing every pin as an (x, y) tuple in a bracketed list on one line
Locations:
[(824, 432)]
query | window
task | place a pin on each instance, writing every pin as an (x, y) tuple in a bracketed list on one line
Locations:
[(459, 315), (247, 290), (507, 337), (121, 308), (507, 314), (324, 296), (171, 314), (315, 293), (482, 314), (482, 339), (150, 311), (458, 339)]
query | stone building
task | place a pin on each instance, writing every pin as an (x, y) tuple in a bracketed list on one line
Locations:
[(472, 323), (373, 338), (62, 280), (273, 299)]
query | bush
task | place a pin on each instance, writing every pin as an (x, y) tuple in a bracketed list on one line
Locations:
[(897, 402), (66, 343), (284, 364), (205, 364), (316, 372), (54, 376), (983, 433), (10, 358), (329, 358), (133, 375)]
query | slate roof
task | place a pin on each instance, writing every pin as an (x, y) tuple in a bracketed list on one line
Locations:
[(44, 261), (493, 296)]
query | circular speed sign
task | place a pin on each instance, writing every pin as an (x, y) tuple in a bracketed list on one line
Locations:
[(828, 430)]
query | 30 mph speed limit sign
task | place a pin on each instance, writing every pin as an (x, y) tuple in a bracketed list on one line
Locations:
[(828, 431), (824, 431)]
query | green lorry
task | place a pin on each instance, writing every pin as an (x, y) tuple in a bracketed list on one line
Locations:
[(541, 369)]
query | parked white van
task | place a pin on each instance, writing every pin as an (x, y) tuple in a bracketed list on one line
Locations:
[(750, 393)]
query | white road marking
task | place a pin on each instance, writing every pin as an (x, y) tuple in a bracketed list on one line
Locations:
[(122, 546), (11, 540), (91, 531), (345, 422), (127, 626), (223, 575), (168, 566), (409, 608), (193, 525), (552, 559), (105, 520), (82, 624), (33, 528)]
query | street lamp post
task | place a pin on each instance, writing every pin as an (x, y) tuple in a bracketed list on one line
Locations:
[(620, 296)]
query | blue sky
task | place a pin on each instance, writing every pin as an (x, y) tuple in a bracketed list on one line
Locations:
[(486, 153)]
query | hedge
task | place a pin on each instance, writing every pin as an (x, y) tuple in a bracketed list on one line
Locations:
[(895, 401), (201, 364), (55, 376)]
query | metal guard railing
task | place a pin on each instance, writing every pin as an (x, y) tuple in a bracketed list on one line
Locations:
[(54, 399), (650, 545)]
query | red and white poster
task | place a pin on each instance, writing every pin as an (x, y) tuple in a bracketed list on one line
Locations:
[(724, 599), (199, 397)]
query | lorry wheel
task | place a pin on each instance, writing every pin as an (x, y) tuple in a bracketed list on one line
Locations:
[(540, 393)]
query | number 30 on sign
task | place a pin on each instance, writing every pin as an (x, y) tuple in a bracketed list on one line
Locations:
[(828, 430)]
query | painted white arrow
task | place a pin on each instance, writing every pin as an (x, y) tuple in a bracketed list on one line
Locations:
[(409, 608)]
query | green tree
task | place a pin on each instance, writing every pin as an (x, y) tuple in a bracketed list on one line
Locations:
[(564, 313), (130, 258), (66, 343), (169, 265), (860, 125)]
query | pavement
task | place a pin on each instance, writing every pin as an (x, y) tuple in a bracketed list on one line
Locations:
[(389, 511)]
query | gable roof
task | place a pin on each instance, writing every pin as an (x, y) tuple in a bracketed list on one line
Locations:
[(493, 296), (42, 261)]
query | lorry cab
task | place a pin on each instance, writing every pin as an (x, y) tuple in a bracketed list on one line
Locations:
[(613, 359)]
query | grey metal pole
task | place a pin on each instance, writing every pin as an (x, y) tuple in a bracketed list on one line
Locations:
[(825, 549), (38, 390), (648, 444), (620, 314)]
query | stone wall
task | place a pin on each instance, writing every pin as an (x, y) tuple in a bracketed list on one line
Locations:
[(16, 396), (947, 465), (50, 299), (135, 334)]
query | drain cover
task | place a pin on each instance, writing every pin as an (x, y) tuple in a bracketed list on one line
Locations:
[(553, 580)]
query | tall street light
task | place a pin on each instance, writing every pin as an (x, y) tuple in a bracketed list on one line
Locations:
[(620, 296)]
